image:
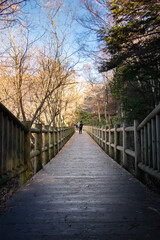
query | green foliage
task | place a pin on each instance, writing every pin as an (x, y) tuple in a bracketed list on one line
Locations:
[(133, 87), (133, 45), (135, 32), (88, 118)]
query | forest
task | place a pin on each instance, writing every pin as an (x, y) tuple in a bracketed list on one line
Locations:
[(38, 72)]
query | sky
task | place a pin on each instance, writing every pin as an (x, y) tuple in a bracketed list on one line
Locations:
[(76, 34)]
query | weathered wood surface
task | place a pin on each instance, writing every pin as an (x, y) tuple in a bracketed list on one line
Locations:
[(82, 194)]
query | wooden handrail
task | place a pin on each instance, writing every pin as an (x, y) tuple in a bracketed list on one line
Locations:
[(149, 117), (145, 150), (7, 113), (15, 145)]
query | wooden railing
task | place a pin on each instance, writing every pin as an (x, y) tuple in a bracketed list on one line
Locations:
[(137, 145), (16, 150)]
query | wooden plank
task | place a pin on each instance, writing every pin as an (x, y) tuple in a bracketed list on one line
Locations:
[(112, 129), (120, 148), (129, 129), (130, 152), (35, 130), (120, 129), (77, 199), (34, 154)]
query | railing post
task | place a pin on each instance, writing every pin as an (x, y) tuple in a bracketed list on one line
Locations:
[(158, 140), (55, 141), (46, 144), (137, 144), (101, 137), (18, 147), (149, 140), (10, 152), (58, 139), (154, 152), (105, 139), (27, 149), (38, 146), (63, 136), (110, 150), (115, 143), (1, 142), (51, 143), (125, 162), (5, 145)]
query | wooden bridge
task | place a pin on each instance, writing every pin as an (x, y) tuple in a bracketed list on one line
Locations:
[(81, 193)]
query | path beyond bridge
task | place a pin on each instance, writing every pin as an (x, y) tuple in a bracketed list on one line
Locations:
[(82, 194)]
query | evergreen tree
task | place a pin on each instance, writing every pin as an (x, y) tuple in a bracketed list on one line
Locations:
[(133, 46)]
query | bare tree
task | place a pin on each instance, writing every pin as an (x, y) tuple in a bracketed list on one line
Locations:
[(96, 17), (38, 80), (11, 11), (16, 59)]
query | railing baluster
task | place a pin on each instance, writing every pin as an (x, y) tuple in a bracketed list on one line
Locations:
[(154, 154), (56, 141), (38, 146), (149, 136), (18, 147), (1, 141), (158, 140), (142, 145), (46, 144), (51, 143), (115, 142), (27, 147), (125, 162), (109, 136), (5, 145), (15, 149), (10, 146), (22, 147), (145, 146), (137, 148)]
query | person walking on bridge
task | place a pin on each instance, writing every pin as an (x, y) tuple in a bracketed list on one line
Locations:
[(80, 127)]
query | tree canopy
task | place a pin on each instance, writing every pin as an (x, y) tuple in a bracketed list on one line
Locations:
[(132, 45)]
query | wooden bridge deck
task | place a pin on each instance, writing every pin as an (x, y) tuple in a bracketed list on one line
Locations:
[(82, 194)]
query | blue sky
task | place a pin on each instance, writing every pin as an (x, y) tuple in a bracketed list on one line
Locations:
[(76, 32)]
